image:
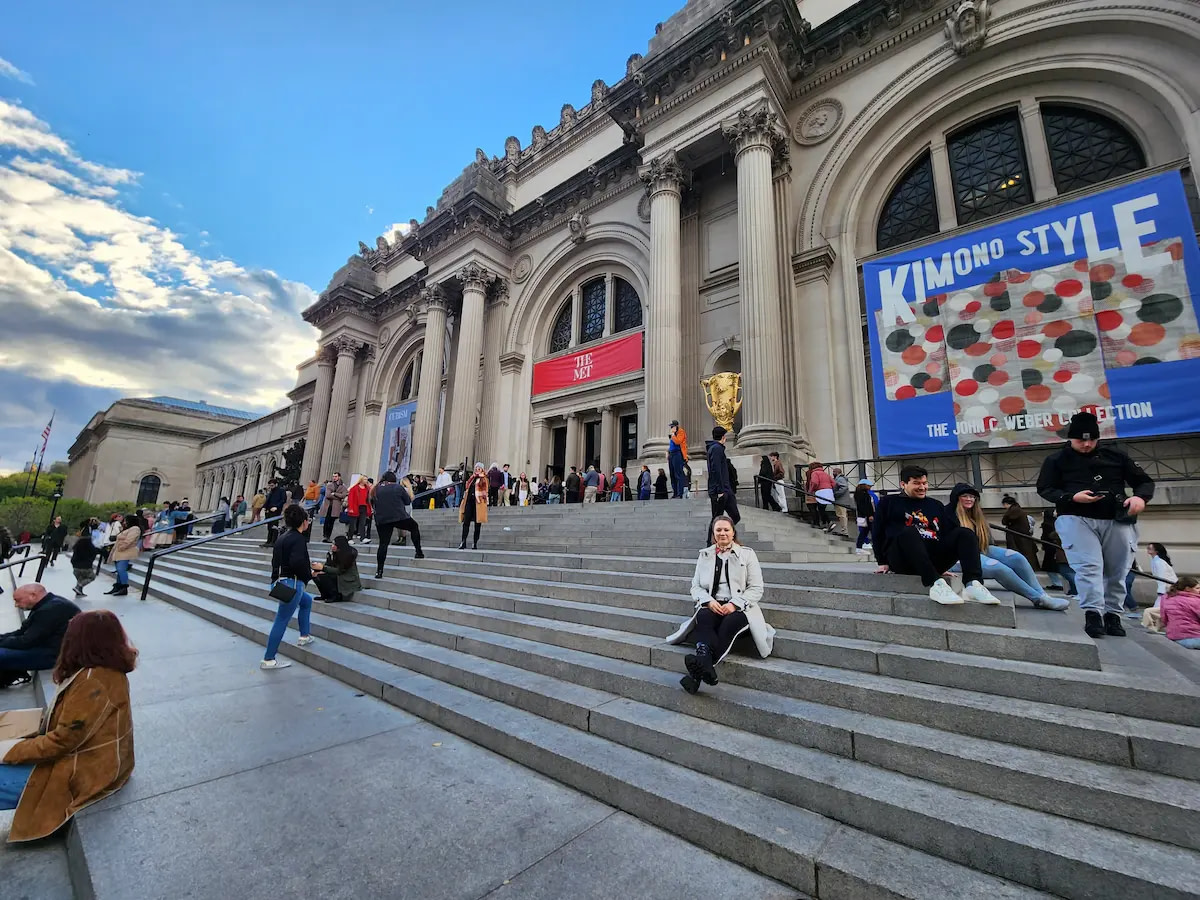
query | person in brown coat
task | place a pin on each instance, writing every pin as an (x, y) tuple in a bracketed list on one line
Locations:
[(474, 505), (1016, 519), (84, 750)]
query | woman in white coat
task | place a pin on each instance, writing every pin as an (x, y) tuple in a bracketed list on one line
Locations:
[(726, 588)]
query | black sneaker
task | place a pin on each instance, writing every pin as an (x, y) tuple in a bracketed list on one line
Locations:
[(691, 665), (704, 662), (1054, 587), (418, 555), (1113, 626), (379, 574), (690, 684), (1093, 624)]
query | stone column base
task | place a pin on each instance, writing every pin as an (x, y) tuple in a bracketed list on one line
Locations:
[(767, 436)]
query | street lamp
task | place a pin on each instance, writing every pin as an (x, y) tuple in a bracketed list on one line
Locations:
[(56, 496)]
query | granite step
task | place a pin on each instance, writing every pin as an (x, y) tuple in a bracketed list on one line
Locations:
[(1099, 736), (810, 852), (1069, 858)]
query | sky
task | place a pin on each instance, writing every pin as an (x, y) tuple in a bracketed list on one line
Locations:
[(179, 181)]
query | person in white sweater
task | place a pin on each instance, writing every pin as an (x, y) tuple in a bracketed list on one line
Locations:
[(1160, 567)]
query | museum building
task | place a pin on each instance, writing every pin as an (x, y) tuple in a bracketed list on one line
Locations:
[(711, 212)]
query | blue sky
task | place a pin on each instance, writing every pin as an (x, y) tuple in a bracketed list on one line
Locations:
[(176, 180)]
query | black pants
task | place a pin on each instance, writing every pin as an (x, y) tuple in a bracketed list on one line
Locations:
[(327, 528), (385, 530), (910, 554), (726, 505), (364, 524), (716, 631), (326, 583), (358, 520)]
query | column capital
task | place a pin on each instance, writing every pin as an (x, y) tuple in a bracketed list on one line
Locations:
[(754, 127), (476, 277), (433, 297), (664, 174), (511, 363), (345, 346), (605, 410), (374, 407)]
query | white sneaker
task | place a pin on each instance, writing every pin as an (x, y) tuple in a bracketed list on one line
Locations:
[(365, 541), (977, 592), (305, 641), (942, 593), (274, 664)]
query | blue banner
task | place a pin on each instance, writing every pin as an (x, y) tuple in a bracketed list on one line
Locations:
[(397, 439), (996, 337)]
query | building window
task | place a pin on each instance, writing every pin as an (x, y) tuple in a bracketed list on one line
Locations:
[(595, 297), (628, 313), (560, 334), (1087, 147), (412, 377), (987, 166), (910, 212), (148, 490)]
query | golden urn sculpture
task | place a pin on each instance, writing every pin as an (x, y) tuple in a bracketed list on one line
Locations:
[(723, 396)]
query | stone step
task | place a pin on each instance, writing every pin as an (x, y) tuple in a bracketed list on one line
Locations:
[(807, 851), (1089, 734), (1072, 859), (788, 615)]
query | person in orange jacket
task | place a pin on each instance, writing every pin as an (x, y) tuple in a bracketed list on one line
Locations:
[(677, 455)]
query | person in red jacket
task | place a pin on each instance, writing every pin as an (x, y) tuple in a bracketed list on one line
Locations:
[(618, 486), (820, 487), (358, 511)]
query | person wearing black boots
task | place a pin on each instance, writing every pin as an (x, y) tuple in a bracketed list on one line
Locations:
[(726, 587), (393, 511), (474, 505)]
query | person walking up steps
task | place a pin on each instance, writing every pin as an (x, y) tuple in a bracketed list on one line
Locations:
[(336, 493), (677, 455), (721, 495), (393, 511), (291, 567), (1096, 521), (474, 505), (83, 559)]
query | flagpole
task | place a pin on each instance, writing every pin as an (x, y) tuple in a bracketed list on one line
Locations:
[(29, 474), (42, 455)]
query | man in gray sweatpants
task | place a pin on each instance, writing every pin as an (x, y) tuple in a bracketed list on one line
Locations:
[(1097, 521)]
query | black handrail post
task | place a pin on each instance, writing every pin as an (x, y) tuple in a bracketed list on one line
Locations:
[(976, 470)]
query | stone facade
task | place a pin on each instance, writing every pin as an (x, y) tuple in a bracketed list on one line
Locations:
[(733, 181)]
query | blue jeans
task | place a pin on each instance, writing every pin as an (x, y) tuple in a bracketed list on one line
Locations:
[(644, 494), (27, 659), (12, 782), (616, 496), (675, 461), (283, 615), (123, 570), (1130, 603), (554, 498), (1189, 643), (1011, 570)]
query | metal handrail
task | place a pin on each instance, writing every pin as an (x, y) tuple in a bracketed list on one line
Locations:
[(182, 524), (1054, 546), (802, 490), (23, 549), (21, 562), (175, 548)]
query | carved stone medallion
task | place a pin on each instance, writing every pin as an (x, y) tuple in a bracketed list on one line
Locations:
[(644, 208), (522, 268), (818, 122)]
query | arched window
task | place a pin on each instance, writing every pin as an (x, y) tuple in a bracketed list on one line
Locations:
[(910, 212), (595, 296), (148, 490), (987, 166), (412, 377), (560, 334), (628, 313), (1087, 147)]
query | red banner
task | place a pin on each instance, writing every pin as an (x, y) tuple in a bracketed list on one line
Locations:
[(592, 364)]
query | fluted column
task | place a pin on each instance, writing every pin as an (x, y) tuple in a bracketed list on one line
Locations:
[(314, 441), (429, 388), (608, 438), (665, 179), (343, 382), (572, 443), (461, 443), (537, 450), (755, 135)]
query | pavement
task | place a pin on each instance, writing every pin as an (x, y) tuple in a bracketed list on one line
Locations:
[(290, 783)]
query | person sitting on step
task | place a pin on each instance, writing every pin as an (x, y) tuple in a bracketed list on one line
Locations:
[(914, 534), (339, 581), (726, 587), (84, 752), (1009, 567), (1181, 612), (36, 643)]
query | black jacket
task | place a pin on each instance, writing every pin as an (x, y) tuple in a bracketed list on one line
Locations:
[(392, 503), (718, 469), (660, 487), (290, 559), (896, 512), (44, 626), (276, 500), (1106, 469), (84, 553)]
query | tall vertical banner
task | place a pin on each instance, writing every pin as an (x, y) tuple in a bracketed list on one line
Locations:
[(996, 337), (397, 439)]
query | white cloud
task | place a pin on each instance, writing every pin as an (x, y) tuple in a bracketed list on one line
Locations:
[(403, 227), (8, 70), (95, 297)]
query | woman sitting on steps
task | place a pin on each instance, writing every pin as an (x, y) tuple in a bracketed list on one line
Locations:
[(339, 581), (726, 587)]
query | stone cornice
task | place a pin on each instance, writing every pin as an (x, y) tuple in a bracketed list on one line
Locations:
[(511, 363), (812, 264)]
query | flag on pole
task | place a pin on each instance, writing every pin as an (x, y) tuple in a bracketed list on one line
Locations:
[(46, 433)]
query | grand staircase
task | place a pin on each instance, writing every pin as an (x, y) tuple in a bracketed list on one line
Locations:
[(889, 748)]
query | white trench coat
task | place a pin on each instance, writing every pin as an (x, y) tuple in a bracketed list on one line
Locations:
[(746, 586)]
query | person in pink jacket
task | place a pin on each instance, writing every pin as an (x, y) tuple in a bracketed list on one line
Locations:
[(1181, 612), (820, 487)]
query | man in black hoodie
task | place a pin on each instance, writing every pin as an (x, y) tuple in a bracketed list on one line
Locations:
[(722, 492), (36, 643), (913, 534), (1096, 520), (276, 501)]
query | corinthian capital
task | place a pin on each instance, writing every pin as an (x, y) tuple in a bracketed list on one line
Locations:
[(476, 277), (345, 345), (666, 173), (433, 297), (757, 126)]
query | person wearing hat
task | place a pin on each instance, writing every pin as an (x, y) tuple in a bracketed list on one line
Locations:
[(1096, 520), (721, 494), (865, 501), (616, 492), (677, 455)]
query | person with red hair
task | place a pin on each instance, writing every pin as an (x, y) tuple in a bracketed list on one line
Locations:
[(84, 749)]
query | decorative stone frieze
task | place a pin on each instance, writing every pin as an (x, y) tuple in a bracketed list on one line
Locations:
[(967, 26), (577, 225)]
